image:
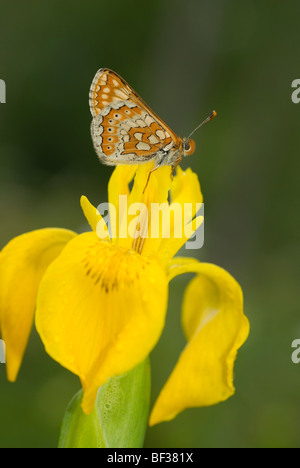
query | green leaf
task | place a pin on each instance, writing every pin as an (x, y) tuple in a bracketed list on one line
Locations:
[(119, 418)]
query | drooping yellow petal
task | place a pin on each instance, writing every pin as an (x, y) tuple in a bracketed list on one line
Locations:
[(215, 327), (100, 310), (94, 218), (22, 264)]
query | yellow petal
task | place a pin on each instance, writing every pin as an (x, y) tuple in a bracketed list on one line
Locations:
[(215, 327), (169, 247), (119, 187), (22, 264), (100, 310), (186, 188), (144, 193), (94, 218), (186, 196)]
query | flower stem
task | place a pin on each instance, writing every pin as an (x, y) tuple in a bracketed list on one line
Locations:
[(120, 415)]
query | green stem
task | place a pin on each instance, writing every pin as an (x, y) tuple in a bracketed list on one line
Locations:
[(119, 418)]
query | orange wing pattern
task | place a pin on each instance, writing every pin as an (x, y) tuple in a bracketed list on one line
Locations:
[(124, 128)]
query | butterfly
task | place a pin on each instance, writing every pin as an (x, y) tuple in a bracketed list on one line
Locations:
[(125, 130)]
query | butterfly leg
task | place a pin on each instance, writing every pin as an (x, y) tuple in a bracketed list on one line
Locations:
[(149, 175), (174, 167)]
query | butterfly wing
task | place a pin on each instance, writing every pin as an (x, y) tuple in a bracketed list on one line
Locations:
[(124, 128)]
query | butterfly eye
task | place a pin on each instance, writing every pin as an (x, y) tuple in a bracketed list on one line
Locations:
[(189, 147)]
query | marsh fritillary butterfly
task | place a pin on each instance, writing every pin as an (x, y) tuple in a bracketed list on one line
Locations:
[(126, 131)]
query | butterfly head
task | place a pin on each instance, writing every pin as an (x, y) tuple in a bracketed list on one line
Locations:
[(188, 146)]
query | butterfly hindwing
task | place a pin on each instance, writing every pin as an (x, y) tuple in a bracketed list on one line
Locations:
[(124, 129)]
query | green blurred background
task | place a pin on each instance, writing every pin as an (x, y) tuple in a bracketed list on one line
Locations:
[(185, 58)]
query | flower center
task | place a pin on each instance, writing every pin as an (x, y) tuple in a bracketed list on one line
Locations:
[(110, 266)]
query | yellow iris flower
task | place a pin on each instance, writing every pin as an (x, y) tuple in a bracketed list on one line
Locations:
[(100, 303)]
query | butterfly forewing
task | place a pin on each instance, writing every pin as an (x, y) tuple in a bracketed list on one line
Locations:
[(124, 129), (107, 87)]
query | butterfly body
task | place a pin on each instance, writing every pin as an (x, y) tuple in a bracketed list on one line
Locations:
[(126, 131)]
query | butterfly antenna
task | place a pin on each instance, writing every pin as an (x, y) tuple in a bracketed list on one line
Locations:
[(209, 118)]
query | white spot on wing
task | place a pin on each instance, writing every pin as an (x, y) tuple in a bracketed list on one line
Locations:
[(132, 124), (106, 110), (149, 120), (120, 94), (138, 136), (143, 146), (153, 140), (125, 128), (117, 104), (141, 123), (130, 104), (115, 99), (160, 134), (169, 146)]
